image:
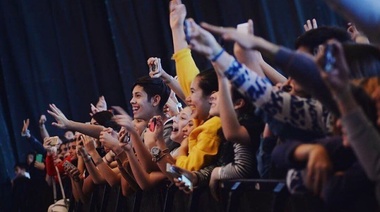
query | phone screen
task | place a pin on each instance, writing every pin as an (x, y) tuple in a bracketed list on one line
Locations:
[(187, 182), (329, 58), (39, 158), (152, 124)]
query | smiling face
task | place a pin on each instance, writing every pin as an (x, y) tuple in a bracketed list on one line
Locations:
[(188, 128), (179, 122), (141, 106), (214, 104), (198, 102)]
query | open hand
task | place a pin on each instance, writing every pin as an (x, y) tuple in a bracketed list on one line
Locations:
[(60, 118), (124, 120), (201, 40), (246, 41), (310, 25)]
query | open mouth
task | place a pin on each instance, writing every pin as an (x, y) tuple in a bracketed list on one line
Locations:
[(135, 109)]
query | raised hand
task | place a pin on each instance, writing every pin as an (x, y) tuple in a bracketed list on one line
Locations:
[(89, 144), (356, 36), (82, 151), (124, 120), (42, 120), (60, 118), (310, 25), (109, 138), (101, 105), (177, 13), (155, 68), (25, 131), (151, 137), (338, 78), (172, 105), (246, 41), (201, 40)]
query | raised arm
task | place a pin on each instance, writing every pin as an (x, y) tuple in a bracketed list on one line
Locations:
[(185, 65), (43, 130), (36, 145), (299, 66), (232, 130), (261, 92), (64, 123), (159, 72), (249, 57), (125, 121), (362, 135)]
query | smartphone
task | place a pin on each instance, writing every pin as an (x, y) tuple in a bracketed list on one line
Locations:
[(186, 26), (173, 171), (243, 28), (176, 173), (39, 158), (329, 58), (152, 124), (53, 141), (153, 67), (187, 182), (68, 165)]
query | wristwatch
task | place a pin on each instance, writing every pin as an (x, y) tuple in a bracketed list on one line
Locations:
[(157, 154)]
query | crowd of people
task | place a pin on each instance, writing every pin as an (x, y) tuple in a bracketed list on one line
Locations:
[(314, 124)]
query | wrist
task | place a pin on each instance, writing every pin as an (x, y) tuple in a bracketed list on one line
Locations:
[(343, 94), (87, 158), (118, 150), (217, 51)]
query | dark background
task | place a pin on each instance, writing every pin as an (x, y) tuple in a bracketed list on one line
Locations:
[(69, 52)]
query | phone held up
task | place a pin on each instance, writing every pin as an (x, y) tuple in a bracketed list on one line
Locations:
[(39, 158), (152, 124), (186, 26), (329, 59)]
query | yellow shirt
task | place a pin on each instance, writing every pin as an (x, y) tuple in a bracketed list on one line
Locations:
[(186, 69), (203, 146), (203, 141)]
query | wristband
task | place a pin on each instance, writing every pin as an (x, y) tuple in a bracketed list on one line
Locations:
[(216, 57)]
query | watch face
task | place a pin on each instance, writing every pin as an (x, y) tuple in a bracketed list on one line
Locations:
[(155, 151)]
